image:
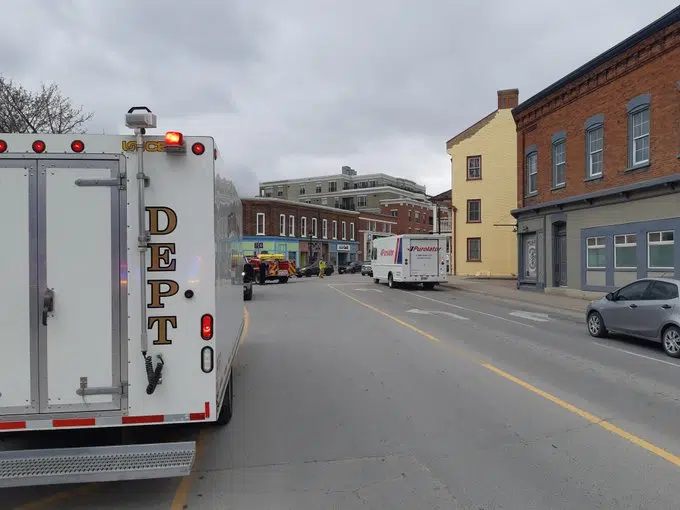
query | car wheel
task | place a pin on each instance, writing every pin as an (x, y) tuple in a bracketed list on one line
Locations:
[(376, 280), (390, 281), (596, 325), (670, 338)]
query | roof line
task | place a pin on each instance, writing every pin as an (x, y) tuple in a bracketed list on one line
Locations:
[(664, 21), (470, 129)]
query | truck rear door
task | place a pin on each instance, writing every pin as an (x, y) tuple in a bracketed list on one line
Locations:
[(65, 274), (423, 257)]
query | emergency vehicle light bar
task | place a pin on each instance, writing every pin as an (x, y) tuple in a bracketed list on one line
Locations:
[(174, 142)]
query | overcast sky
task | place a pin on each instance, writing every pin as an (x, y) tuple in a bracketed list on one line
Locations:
[(293, 88)]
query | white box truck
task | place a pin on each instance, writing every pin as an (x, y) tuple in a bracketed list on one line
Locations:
[(409, 258), (122, 300)]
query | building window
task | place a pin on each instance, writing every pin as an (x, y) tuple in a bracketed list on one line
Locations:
[(532, 173), (417, 217), (661, 250), (282, 224), (315, 227), (260, 224), (474, 211), (344, 230), (324, 201), (332, 186), (625, 251), (559, 158), (302, 190), (361, 201), (474, 168), (372, 184), (324, 228), (303, 226), (394, 212), (638, 130), (291, 225), (335, 229), (351, 231), (318, 187), (268, 192), (596, 253), (474, 249), (279, 193), (594, 151)]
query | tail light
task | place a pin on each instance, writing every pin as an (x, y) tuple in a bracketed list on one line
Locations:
[(77, 146), (39, 146), (207, 327), (198, 148), (3, 146)]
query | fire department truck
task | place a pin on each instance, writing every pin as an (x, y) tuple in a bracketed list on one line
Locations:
[(278, 267), (122, 301)]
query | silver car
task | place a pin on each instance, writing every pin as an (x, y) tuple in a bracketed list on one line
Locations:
[(648, 308)]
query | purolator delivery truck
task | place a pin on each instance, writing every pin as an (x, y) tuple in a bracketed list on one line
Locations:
[(122, 300), (409, 258)]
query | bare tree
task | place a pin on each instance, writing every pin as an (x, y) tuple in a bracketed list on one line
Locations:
[(45, 111)]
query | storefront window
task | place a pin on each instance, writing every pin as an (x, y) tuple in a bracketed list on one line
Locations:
[(596, 253), (625, 251), (661, 250)]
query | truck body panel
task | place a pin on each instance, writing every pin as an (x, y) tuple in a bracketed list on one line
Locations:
[(72, 320), (409, 258)]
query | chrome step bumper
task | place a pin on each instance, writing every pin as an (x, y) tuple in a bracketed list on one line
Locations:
[(96, 464)]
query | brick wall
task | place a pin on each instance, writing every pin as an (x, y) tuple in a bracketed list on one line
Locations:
[(651, 67), (272, 210), (406, 224)]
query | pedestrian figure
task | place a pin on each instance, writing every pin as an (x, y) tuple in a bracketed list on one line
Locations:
[(263, 272), (322, 268)]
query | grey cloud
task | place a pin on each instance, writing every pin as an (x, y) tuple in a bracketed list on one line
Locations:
[(302, 87)]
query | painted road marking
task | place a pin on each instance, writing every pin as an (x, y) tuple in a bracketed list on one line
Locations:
[(471, 310), (436, 312), (368, 290), (673, 459), (637, 354), (532, 316)]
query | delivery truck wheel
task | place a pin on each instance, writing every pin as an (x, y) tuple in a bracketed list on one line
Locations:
[(390, 281), (228, 405), (428, 286)]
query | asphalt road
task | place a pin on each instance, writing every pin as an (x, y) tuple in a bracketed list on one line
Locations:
[(350, 395)]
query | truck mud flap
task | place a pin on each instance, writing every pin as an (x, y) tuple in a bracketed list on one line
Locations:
[(97, 464)]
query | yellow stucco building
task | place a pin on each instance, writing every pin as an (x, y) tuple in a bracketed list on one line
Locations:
[(484, 182)]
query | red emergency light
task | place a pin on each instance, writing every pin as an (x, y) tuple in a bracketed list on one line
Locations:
[(206, 326), (39, 146), (174, 139), (3, 146), (77, 146)]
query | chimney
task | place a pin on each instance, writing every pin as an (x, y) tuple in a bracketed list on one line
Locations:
[(508, 98)]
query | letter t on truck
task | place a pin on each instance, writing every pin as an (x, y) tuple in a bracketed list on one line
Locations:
[(409, 258), (121, 303)]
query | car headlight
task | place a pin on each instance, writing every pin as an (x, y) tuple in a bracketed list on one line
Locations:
[(243, 273)]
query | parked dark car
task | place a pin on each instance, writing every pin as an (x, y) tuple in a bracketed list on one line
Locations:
[(313, 270), (248, 278), (366, 268), (352, 267)]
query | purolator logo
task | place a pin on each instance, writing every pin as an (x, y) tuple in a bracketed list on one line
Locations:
[(386, 253), (423, 248)]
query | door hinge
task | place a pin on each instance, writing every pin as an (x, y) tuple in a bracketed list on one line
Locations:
[(116, 182), (101, 390)]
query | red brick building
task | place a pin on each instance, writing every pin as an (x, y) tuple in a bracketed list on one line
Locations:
[(598, 168), (372, 225), (286, 226), (412, 216)]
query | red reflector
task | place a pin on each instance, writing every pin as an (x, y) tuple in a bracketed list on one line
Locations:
[(13, 425), (197, 416), (39, 146), (138, 420), (215, 154), (206, 327), (77, 146), (198, 148), (174, 138), (3, 146), (74, 422), (207, 409)]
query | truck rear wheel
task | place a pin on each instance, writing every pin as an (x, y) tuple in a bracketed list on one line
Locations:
[(228, 405), (390, 281), (428, 286), (283, 279)]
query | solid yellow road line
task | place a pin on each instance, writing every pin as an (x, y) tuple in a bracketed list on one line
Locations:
[(392, 317), (182, 493), (673, 459)]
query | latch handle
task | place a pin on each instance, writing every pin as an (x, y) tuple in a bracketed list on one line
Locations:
[(48, 305)]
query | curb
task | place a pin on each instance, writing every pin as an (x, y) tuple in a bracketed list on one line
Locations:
[(570, 311)]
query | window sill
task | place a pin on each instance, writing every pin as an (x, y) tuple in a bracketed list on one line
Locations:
[(598, 269), (558, 187), (532, 194), (473, 179), (594, 178), (473, 222), (626, 269), (641, 166), (472, 260)]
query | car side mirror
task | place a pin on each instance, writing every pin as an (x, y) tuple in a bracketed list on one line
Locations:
[(610, 297)]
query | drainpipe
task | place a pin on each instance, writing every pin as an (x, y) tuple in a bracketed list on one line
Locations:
[(454, 230)]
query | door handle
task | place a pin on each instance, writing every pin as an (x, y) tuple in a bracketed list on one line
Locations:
[(666, 307), (633, 305), (48, 305)]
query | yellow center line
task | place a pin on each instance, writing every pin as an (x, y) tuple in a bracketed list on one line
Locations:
[(642, 443)]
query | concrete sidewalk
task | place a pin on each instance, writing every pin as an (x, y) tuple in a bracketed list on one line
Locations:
[(507, 290)]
